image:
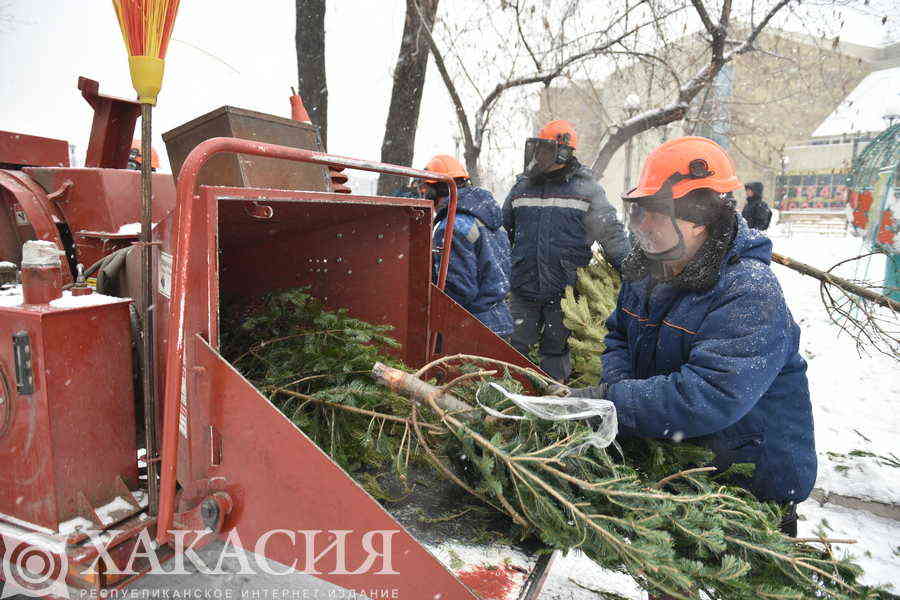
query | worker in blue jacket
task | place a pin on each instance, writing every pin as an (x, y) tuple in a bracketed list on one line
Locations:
[(478, 273), (553, 214), (701, 346)]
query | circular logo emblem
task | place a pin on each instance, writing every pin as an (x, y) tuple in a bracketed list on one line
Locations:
[(33, 567)]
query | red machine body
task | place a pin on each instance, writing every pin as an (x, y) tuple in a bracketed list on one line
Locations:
[(19, 150), (67, 439), (89, 203)]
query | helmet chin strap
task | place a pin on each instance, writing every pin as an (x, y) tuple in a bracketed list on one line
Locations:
[(679, 250)]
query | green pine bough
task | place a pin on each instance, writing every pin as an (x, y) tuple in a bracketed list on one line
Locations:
[(653, 511), (585, 314)]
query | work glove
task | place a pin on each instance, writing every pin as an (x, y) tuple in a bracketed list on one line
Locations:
[(597, 392), (556, 389)]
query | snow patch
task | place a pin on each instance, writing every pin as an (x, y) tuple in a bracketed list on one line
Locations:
[(73, 525), (129, 229), (11, 296), (853, 396), (877, 539), (107, 512), (70, 301), (572, 576)]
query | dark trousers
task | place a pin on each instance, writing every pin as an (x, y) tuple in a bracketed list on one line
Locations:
[(542, 322), (789, 521)]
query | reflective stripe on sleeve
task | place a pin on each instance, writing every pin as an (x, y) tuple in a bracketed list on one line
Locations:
[(582, 205)]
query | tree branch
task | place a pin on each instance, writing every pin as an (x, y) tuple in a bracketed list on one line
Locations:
[(704, 16), (482, 115), (537, 63)]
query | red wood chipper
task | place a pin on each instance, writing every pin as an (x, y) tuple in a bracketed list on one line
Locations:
[(255, 208)]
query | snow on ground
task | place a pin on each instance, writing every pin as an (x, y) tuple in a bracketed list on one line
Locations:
[(854, 402), (854, 397), (855, 409), (877, 549)]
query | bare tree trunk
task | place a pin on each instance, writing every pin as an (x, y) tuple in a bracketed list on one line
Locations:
[(310, 42), (471, 154), (406, 97)]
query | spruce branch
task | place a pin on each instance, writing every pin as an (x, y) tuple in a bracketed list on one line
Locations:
[(654, 510)]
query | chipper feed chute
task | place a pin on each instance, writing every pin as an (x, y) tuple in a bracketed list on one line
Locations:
[(237, 461)]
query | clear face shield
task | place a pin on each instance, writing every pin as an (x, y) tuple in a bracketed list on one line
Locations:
[(541, 155), (652, 219), (434, 190), (653, 224)]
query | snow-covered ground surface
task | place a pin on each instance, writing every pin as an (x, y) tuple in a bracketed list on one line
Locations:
[(855, 402)]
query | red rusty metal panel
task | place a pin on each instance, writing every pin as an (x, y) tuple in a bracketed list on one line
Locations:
[(105, 199), (39, 217), (75, 434), (462, 333), (112, 129), (291, 249), (279, 479), (21, 150), (372, 259), (101, 201), (163, 248)]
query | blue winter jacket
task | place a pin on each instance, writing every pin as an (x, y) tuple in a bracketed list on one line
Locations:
[(478, 275), (552, 224), (720, 368)]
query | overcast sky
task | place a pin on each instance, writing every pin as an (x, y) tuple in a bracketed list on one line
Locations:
[(226, 52)]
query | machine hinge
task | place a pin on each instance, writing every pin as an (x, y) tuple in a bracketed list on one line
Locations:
[(22, 356)]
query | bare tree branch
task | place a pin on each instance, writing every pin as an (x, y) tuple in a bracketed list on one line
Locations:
[(678, 109), (475, 125), (704, 16), (523, 37)]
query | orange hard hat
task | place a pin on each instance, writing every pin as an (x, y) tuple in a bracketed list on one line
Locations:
[(136, 147), (446, 164), (559, 131), (687, 164)]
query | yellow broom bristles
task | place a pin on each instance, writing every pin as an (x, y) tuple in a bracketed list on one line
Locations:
[(146, 25)]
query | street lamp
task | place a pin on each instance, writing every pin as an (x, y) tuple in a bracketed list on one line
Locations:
[(631, 105), (785, 161), (892, 110)]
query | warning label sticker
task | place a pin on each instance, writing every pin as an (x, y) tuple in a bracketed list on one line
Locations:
[(183, 408), (165, 274)]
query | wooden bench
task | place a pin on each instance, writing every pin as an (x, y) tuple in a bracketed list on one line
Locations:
[(829, 222)]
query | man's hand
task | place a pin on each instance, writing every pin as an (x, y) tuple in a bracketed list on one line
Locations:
[(597, 392), (557, 389)]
